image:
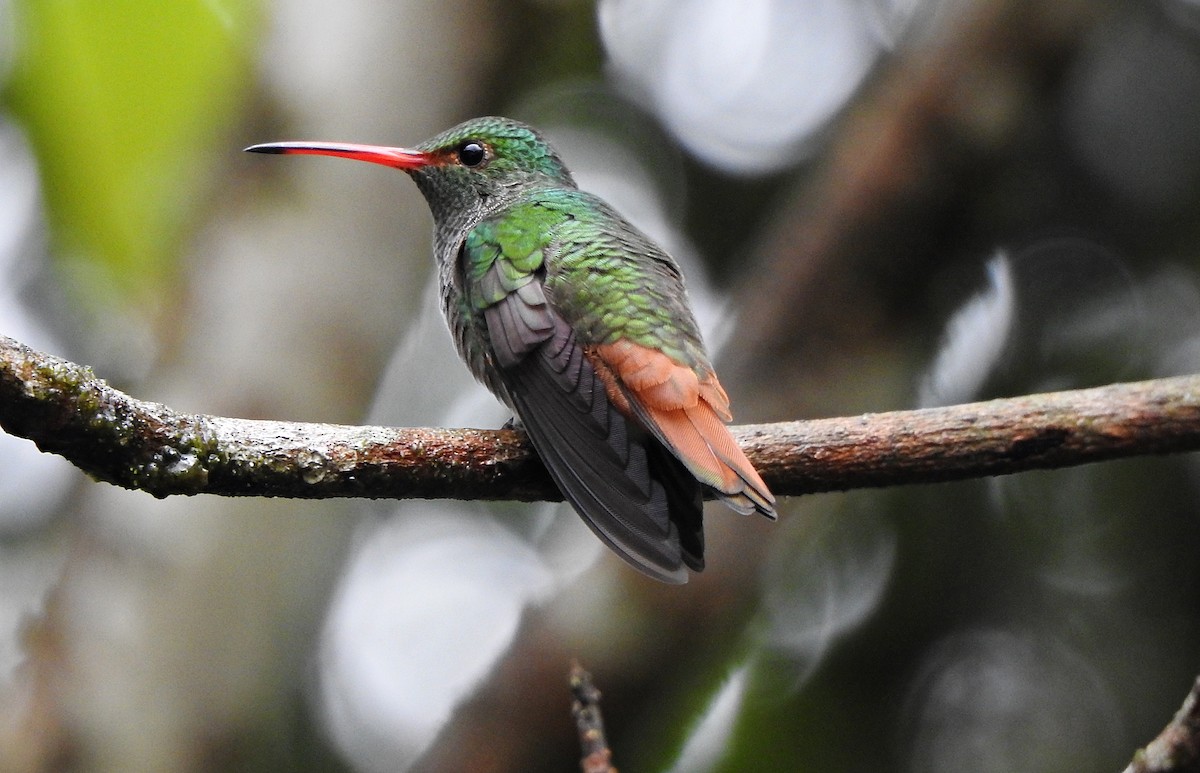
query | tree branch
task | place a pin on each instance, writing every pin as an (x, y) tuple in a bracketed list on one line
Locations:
[(1177, 747), (67, 410), (589, 722)]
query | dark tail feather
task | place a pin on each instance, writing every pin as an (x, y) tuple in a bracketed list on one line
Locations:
[(686, 496)]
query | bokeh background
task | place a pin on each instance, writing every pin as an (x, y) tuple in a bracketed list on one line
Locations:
[(879, 204)]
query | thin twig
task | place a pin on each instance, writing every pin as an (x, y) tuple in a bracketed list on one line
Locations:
[(596, 756), (1177, 747), (67, 410)]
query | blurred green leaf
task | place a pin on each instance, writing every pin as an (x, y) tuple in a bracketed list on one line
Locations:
[(123, 100)]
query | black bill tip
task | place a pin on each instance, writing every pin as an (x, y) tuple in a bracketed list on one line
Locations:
[(266, 148)]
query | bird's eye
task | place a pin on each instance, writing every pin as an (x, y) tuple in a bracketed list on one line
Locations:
[(472, 153)]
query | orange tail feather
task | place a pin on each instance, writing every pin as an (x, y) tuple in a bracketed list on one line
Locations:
[(687, 412)]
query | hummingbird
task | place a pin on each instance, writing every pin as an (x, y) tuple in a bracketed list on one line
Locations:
[(580, 324)]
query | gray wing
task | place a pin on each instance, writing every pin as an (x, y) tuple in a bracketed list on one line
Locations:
[(633, 493)]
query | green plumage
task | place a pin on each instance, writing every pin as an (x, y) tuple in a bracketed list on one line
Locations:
[(608, 280)]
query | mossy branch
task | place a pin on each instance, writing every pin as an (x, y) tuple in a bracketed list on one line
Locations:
[(67, 410)]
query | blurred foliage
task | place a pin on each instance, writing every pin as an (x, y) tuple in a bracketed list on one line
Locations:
[(122, 99)]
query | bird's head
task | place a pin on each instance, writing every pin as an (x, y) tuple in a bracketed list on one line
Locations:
[(475, 166)]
